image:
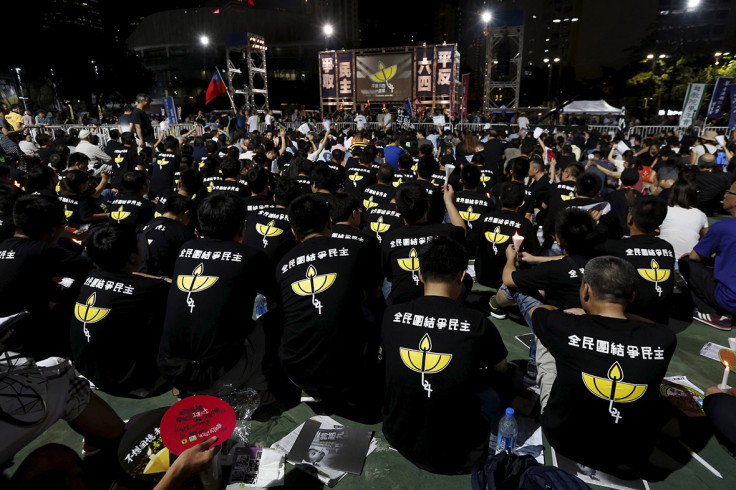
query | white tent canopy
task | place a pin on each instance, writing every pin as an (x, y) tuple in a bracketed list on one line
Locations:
[(590, 107)]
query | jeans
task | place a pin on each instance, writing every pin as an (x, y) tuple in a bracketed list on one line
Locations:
[(525, 303)]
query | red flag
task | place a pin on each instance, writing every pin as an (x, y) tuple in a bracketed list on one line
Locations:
[(216, 11), (217, 87)]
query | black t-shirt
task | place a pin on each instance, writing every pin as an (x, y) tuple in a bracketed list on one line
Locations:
[(621, 201), (496, 229), (305, 183), (44, 154), (322, 283), (113, 344), (711, 188), (381, 219), (472, 205), (165, 167), (269, 230), (591, 352), (255, 203), (376, 194), (111, 146), (206, 321), (140, 117), (400, 251), (233, 186), (458, 342), (123, 160), (562, 192), (27, 269), (401, 176), (132, 210), (493, 152), (164, 237), (654, 261), (559, 279), (540, 193), (369, 240), (357, 178), (78, 208), (7, 227), (338, 171)]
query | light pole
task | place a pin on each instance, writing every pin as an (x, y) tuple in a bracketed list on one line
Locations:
[(20, 85), (204, 41), (486, 18), (328, 31)]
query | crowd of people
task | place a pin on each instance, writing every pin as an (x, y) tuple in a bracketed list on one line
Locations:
[(138, 265)]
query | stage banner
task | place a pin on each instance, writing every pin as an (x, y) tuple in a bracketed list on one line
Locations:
[(732, 120), (720, 92), (425, 71), (445, 68), (346, 75), (170, 110), (8, 93), (466, 86), (328, 75), (384, 77), (691, 107)]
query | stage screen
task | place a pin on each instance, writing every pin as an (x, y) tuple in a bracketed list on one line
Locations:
[(384, 77)]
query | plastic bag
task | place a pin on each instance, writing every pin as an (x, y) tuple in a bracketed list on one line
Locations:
[(244, 402)]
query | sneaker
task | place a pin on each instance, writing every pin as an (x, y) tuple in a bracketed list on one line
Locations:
[(496, 311), (715, 321)]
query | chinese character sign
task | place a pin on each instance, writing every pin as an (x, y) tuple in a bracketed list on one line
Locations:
[(693, 99), (425, 70), (445, 68), (732, 93), (346, 79), (384, 77), (720, 92), (195, 419), (328, 75)]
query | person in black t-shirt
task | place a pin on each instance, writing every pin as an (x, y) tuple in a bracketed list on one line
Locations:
[(471, 203), (124, 159), (80, 202), (29, 263), (113, 345), (712, 185), (324, 183), (400, 247), (443, 358), (209, 337), (167, 233), (609, 368), (140, 122), (329, 347), (268, 229), (652, 257), (496, 229), (557, 277), (362, 175), (165, 166), (381, 192), (257, 179), (563, 191), (8, 195), (621, 200), (230, 171), (130, 207), (540, 189)]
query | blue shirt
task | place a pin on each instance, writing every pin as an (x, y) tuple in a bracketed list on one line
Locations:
[(721, 240), (391, 154)]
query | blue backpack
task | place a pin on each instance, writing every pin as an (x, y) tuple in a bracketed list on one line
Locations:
[(506, 471)]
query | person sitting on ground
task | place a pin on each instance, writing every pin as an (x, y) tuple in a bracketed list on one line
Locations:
[(609, 369), (685, 224), (713, 288), (324, 183), (381, 192), (230, 169), (719, 406), (165, 166), (323, 281), (209, 337), (469, 377), (8, 195), (362, 175), (112, 344), (711, 183), (130, 207), (166, 234)]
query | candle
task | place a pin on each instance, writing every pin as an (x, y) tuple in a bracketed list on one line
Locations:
[(518, 239), (724, 381)]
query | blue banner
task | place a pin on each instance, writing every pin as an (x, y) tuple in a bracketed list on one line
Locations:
[(170, 108), (732, 121), (720, 92), (408, 109)]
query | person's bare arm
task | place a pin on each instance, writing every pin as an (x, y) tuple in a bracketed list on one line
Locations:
[(604, 170), (139, 132), (282, 140), (541, 307), (448, 194), (510, 267), (101, 186), (696, 257), (643, 150), (527, 258), (703, 231), (191, 462)]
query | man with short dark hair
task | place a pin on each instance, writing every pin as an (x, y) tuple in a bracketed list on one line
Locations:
[(458, 340), (609, 369), (712, 183), (140, 122), (362, 175), (130, 207), (268, 229), (29, 262), (329, 348), (113, 345), (167, 233), (382, 191), (209, 338)]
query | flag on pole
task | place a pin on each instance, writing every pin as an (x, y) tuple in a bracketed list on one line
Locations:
[(408, 109), (216, 87)]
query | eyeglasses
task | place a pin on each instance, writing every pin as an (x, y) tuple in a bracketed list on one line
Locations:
[(732, 193)]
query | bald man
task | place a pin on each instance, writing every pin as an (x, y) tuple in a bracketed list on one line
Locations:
[(712, 183)]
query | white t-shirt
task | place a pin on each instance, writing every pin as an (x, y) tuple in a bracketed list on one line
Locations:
[(253, 123), (28, 147), (681, 228), (164, 125), (387, 120), (523, 122), (699, 150), (360, 121), (269, 119)]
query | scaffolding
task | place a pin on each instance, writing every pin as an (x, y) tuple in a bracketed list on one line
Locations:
[(502, 86), (246, 71)]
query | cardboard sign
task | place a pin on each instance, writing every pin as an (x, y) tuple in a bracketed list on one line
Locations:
[(196, 419)]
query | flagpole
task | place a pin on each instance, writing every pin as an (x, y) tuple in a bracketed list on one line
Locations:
[(227, 91)]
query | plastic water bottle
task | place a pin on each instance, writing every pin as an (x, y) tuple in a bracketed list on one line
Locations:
[(261, 305), (531, 366), (507, 430)]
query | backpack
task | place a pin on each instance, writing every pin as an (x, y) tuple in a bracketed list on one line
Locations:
[(507, 471)]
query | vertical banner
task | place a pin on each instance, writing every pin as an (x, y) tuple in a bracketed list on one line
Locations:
[(732, 120), (466, 86), (170, 108), (691, 107), (346, 75), (720, 92), (327, 75), (424, 68), (445, 68)]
